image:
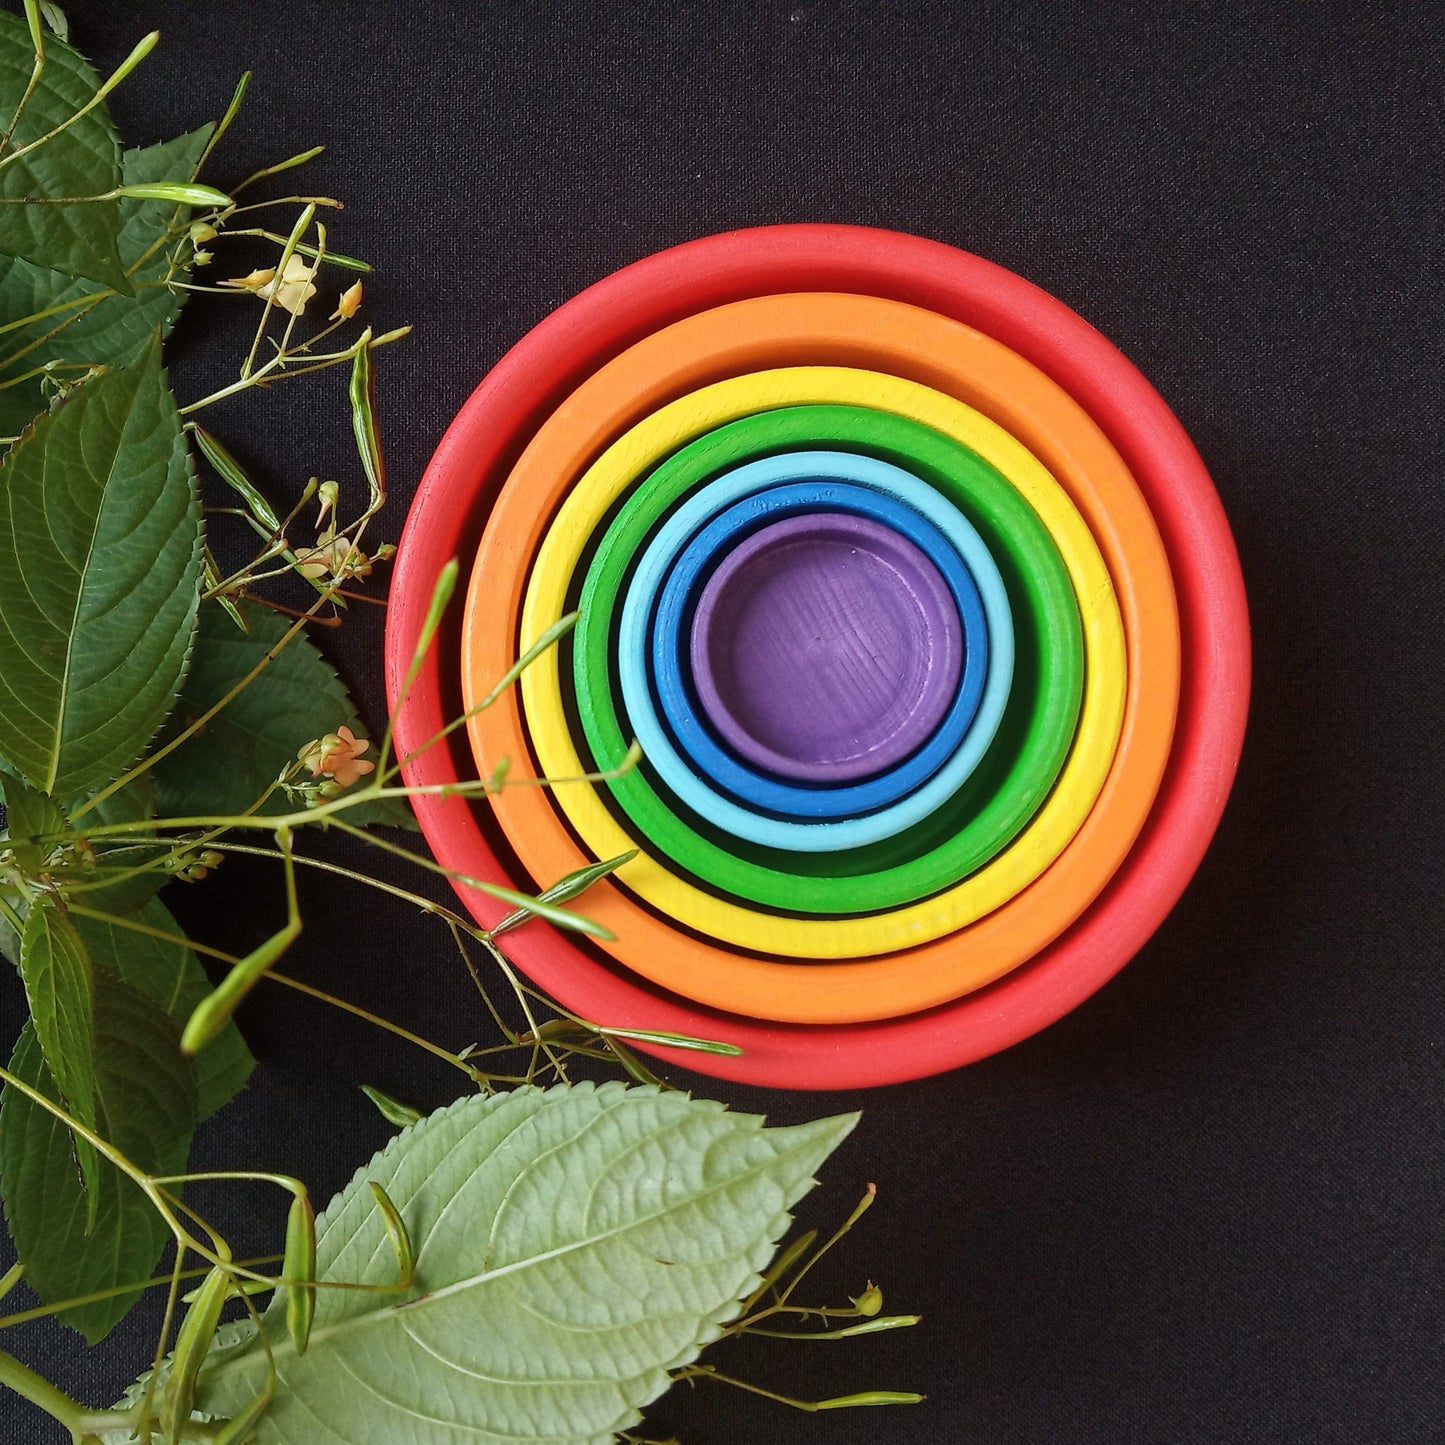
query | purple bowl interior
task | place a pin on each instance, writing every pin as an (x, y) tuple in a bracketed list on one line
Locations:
[(826, 647)]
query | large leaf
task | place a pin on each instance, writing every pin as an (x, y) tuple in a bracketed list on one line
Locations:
[(145, 1098), (572, 1245), (97, 327), (59, 987), (100, 552), (171, 975), (83, 160), (240, 752)]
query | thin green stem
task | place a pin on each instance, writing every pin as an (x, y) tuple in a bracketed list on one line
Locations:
[(87, 300), (357, 1011), (272, 371), (290, 163), (142, 49), (500, 959), (553, 635), (40, 1312), (147, 1398), (330, 202), (39, 1391), (859, 1210), (224, 124), (134, 925), (37, 41), (303, 223), (81, 309)]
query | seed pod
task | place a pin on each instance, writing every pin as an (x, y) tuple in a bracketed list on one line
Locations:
[(193, 1343), (298, 1268), (396, 1232), (870, 1301)]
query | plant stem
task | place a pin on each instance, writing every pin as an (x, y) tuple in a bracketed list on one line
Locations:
[(142, 49), (153, 1193), (40, 1312), (303, 222), (39, 1391), (436, 1050), (37, 40)]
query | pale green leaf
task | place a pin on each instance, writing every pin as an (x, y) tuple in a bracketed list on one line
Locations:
[(239, 754), (83, 160), (100, 552), (145, 1103), (93, 325), (171, 975), (59, 987), (572, 1246)]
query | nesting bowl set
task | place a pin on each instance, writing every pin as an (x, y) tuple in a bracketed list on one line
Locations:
[(917, 599)]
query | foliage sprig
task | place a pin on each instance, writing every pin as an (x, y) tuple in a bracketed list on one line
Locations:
[(162, 709)]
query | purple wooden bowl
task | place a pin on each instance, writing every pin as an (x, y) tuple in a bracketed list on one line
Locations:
[(825, 648)]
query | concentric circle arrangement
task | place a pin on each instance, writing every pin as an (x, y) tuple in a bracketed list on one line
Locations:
[(917, 600), (827, 646), (691, 527)]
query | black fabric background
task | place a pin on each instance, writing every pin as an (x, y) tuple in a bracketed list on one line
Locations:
[(1205, 1206)]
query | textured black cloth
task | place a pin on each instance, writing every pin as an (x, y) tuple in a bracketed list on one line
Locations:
[(1206, 1206)]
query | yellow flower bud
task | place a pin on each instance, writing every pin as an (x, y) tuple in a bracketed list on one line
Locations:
[(349, 304), (253, 280), (326, 494)]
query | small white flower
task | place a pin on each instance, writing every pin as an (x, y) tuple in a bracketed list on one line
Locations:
[(294, 288)]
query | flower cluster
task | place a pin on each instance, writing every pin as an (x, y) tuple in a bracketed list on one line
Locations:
[(292, 289), (338, 757)]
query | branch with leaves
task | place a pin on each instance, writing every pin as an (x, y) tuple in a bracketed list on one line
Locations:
[(162, 708)]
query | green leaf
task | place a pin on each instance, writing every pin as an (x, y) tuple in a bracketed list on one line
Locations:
[(98, 327), (145, 1100), (56, 968), (100, 552), (572, 1245), (28, 815), (83, 160), (240, 752), (171, 975)]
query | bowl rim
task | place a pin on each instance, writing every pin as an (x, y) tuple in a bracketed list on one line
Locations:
[(935, 640), (547, 363)]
